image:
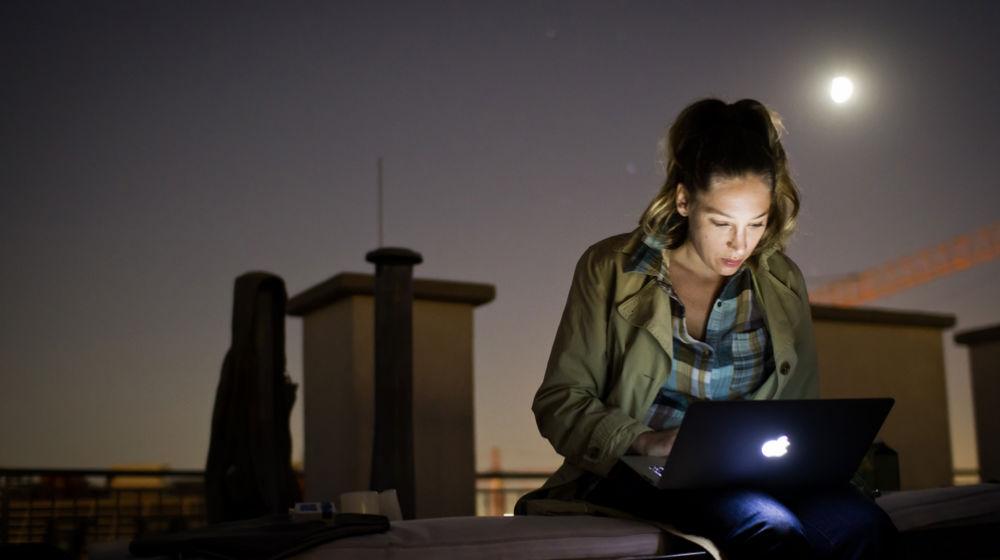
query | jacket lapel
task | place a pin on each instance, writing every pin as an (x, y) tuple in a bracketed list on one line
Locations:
[(775, 298), (649, 309)]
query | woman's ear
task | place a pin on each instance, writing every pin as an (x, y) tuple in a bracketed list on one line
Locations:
[(681, 200)]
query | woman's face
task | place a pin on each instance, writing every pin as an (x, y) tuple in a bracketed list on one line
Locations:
[(725, 223)]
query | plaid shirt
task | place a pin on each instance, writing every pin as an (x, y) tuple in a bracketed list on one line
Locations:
[(732, 361)]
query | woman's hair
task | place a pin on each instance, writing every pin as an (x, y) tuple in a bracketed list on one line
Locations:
[(712, 140)]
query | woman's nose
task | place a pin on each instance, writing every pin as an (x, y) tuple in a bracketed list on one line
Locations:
[(738, 240)]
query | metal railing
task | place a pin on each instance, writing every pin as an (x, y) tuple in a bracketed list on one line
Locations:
[(74, 508), (498, 491)]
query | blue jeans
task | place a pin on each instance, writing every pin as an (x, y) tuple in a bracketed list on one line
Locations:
[(830, 523)]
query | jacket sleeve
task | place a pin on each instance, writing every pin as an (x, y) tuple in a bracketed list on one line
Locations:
[(807, 378), (569, 407)]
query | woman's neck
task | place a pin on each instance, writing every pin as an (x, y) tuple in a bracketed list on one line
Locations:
[(688, 259)]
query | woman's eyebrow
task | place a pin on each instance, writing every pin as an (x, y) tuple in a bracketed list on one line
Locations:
[(712, 210)]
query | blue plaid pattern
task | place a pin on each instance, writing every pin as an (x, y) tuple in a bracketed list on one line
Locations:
[(732, 361)]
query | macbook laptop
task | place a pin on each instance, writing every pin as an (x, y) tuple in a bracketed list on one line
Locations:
[(767, 444)]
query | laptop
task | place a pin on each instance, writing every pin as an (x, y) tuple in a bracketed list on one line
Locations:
[(767, 444)]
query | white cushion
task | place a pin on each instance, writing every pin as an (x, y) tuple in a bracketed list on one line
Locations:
[(522, 537), (943, 507)]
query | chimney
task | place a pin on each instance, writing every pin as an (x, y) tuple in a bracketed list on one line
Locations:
[(392, 453)]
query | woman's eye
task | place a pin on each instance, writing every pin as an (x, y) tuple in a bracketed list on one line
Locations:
[(719, 224), (757, 225)]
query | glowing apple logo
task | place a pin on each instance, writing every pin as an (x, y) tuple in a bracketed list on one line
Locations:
[(775, 447)]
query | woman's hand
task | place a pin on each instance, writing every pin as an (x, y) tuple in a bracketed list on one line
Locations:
[(654, 444)]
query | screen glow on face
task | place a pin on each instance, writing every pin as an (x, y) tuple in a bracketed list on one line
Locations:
[(775, 447)]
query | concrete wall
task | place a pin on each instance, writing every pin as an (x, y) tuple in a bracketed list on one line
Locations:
[(338, 398), (868, 353), (338, 390), (984, 357)]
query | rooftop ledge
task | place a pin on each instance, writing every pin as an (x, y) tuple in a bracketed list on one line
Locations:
[(881, 316), (348, 284), (979, 336)]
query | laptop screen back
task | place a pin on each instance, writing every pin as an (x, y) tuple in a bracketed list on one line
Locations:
[(781, 443)]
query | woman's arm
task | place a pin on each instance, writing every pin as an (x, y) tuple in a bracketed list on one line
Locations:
[(569, 407)]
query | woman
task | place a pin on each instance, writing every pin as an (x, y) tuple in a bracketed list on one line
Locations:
[(697, 303)]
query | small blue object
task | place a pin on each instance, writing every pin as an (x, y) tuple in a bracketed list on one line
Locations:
[(313, 510)]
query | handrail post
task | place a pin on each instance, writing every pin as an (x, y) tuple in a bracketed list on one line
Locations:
[(5, 509)]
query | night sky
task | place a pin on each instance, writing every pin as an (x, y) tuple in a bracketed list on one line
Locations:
[(150, 152)]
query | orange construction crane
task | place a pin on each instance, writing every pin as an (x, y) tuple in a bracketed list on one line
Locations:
[(960, 253)]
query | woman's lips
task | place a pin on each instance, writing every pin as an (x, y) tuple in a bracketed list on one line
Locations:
[(732, 263)]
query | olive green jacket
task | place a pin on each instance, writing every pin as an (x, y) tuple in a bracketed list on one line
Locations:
[(612, 353)]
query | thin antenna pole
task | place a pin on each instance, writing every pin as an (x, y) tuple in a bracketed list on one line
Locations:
[(380, 201)]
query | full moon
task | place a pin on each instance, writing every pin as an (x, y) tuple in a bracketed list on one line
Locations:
[(841, 89)]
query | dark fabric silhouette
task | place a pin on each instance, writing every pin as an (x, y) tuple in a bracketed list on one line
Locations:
[(271, 537), (249, 471)]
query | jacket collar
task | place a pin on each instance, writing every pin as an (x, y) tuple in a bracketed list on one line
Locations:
[(649, 307), (647, 257)]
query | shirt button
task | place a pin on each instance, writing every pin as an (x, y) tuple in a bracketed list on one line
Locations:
[(784, 368), (718, 304)]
